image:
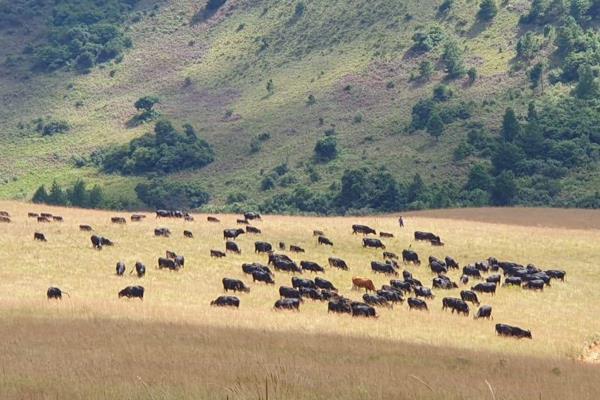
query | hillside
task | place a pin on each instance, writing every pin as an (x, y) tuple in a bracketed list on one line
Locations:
[(173, 344), (263, 81)]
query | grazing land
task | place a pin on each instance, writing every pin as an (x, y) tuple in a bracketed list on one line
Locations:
[(173, 344)]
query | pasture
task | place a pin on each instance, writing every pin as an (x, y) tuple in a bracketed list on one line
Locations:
[(173, 344)]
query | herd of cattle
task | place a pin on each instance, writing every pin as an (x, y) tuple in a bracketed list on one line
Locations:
[(487, 274)]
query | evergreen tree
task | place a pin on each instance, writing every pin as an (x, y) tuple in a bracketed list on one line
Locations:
[(488, 10), (78, 196), (452, 59), (505, 189), (435, 125), (510, 125), (56, 196), (425, 70), (587, 87), (479, 178), (40, 196), (96, 197), (417, 189)]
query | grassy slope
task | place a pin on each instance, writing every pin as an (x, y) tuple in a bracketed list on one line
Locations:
[(334, 44), (183, 348)]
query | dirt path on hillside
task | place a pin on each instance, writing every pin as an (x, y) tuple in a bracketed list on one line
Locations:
[(541, 217)]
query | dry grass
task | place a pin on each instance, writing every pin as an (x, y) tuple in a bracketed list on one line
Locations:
[(92, 345)]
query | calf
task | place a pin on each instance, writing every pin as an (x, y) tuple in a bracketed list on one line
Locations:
[(296, 249), (132, 292), (39, 236), (226, 301), (188, 234), (318, 233), (484, 312), (217, 253), (235, 284), (55, 293), (386, 235)]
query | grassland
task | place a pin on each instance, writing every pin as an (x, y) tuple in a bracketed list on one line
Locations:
[(174, 345)]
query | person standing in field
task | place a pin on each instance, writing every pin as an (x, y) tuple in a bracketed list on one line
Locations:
[(401, 222)]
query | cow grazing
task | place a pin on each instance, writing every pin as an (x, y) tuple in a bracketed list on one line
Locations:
[(421, 291), (43, 219), (536, 284), (470, 296), (251, 229), (217, 253), (167, 263), (33, 215), (464, 279), (281, 264), (337, 263), (375, 300), (451, 263), (362, 310), (287, 304), (187, 217), (140, 269), (96, 242), (324, 241), (427, 236), (137, 217), (324, 284), (363, 283), (365, 230), (262, 276), (484, 312), (311, 266), (313, 294), (55, 293), (383, 268), (437, 268), (556, 274), (443, 282), (262, 247), (212, 219), (118, 220), (485, 287), (242, 221), (454, 304), (409, 256), (296, 249), (132, 292), (4, 214), (493, 279), (301, 282), (512, 331), (120, 268), (417, 304), (5, 219), (85, 228), (235, 285), (232, 233), (405, 287), (46, 215), (170, 254), (179, 261), (389, 255), (250, 268), (287, 292), (392, 295), (164, 232), (252, 215), (232, 247), (226, 301), (512, 280), (188, 234), (373, 243), (386, 235), (57, 218), (318, 233), (281, 245), (39, 236), (339, 306), (471, 271)]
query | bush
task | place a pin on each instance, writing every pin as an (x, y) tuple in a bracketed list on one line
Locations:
[(427, 41), (326, 149), (162, 193), (49, 128), (452, 59), (487, 10), (442, 92)]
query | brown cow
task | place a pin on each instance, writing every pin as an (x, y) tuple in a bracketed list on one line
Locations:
[(363, 283)]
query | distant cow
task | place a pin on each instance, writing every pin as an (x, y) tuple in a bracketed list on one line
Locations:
[(252, 215), (118, 220), (296, 249), (120, 268), (458, 305), (443, 282), (212, 219), (301, 282), (287, 304), (85, 228), (226, 301), (536, 284), (232, 233), (281, 264), (46, 215), (262, 276), (311, 266), (57, 218), (468, 295), (98, 242), (324, 284), (281, 246), (5, 219), (262, 247), (373, 243), (137, 217), (232, 247), (55, 293), (362, 310), (485, 287), (392, 295), (363, 283), (386, 235), (324, 241), (421, 291), (340, 306), (4, 214), (140, 269), (287, 292), (32, 215), (405, 287), (251, 229), (428, 236), (471, 271), (556, 274), (180, 261), (251, 268), (484, 312), (512, 331), (132, 292), (375, 300), (389, 255), (365, 230), (438, 268), (39, 236), (337, 263), (318, 233), (383, 268), (409, 256), (188, 234), (170, 254), (493, 279), (43, 219), (512, 280), (234, 284), (417, 304), (167, 263), (242, 221), (217, 253), (450, 263), (164, 232)]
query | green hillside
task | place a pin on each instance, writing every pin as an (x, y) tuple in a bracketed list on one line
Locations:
[(263, 81)]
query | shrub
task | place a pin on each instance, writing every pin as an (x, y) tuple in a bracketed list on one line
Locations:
[(326, 149), (487, 10), (163, 193)]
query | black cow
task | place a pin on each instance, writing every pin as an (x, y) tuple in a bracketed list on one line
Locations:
[(96, 241), (120, 268), (427, 236), (118, 220), (296, 249), (226, 301), (389, 255), (443, 282), (85, 228), (393, 295), (386, 235), (485, 287), (55, 293), (167, 263), (375, 300), (140, 269), (493, 279), (137, 217), (512, 331), (233, 247), (340, 306), (287, 292), (484, 312), (407, 275), (324, 284), (179, 261), (232, 233), (464, 279), (337, 263), (217, 253), (39, 219), (400, 285), (536, 284), (284, 265), (252, 215), (311, 266), (373, 243), (250, 268), (164, 232), (242, 221), (287, 304), (39, 236), (313, 294), (5, 219), (300, 282), (281, 246), (251, 229), (438, 268), (318, 233), (458, 305), (132, 292), (188, 234), (234, 284), (262, 276), (362, 310), (324, 241), (468, 295), (383, 268), (365, 230), (470, 270), (32, 215), (451, 263), (512, 280), (409, 256), (57, 218), (556, 274), (212, 219), (421, 291), (417, 304)]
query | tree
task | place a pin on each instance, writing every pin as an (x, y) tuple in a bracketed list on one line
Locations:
[(479, 178), (536, 75), (326, 148), (146, 103), (84, 61), (96, 197), (425, 70), (488, 10), (504, 189), (435, 126), (416, 190), (452, 59), (56, 196), (78, 196), (270, 87), (354, 189), (442, 92), (472, 74), (507, 156), (587, 86), (40, 196), (510, 125)]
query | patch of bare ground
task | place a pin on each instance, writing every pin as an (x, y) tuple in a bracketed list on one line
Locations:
[(540, 217), (591, 353)]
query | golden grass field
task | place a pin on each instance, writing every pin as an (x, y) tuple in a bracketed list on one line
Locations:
[(173, 345)]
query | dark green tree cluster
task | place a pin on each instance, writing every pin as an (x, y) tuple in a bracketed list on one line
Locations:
[(77, 195), (166, 150), (169, 194), (326, 149), (424, 41), (432, 115)]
